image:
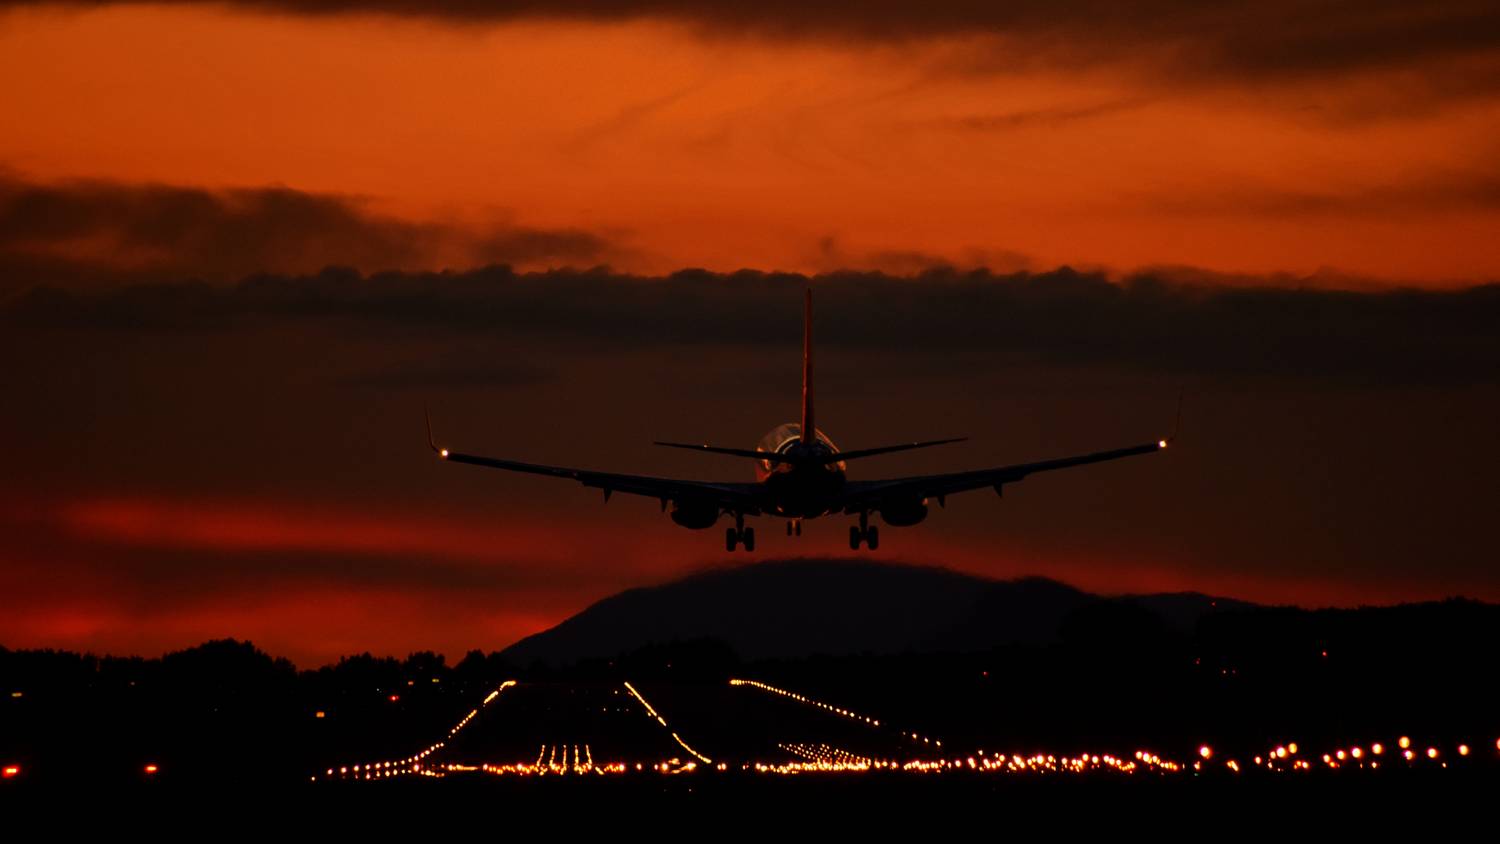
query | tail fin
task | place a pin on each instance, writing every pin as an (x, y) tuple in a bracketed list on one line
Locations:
[(809, 432)]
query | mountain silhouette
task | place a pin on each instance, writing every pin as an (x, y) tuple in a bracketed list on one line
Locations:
[(799, 608)]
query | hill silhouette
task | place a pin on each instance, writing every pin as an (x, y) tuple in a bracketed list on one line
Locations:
[(789, 609)]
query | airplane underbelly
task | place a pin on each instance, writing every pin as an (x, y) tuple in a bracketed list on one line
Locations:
[(803, 495)]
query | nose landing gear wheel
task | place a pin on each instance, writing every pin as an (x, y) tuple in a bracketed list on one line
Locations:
[(854, 538), (872, 537), (731, 539), (747, 536)]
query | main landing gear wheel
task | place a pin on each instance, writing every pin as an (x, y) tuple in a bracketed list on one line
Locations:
[(739, 537), (865, 533)]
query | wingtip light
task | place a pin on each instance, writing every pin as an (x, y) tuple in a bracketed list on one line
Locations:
[(1161, 443), (443, 453)]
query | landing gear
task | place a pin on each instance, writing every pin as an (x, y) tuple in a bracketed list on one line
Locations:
[(864, 533), (739, 535), (794, 527)]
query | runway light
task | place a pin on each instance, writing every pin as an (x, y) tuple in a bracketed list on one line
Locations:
[(11, 771), (1377, 748), (1463, 750), (1432, 753), (319, 714), (1206, 752), (1404, 742), (150, 769)]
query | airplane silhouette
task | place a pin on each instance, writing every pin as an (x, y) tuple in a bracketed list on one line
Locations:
[(801, 474)]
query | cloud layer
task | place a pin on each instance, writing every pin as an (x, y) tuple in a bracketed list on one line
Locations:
[(1279, 38), (81, 231), (1150, 322)]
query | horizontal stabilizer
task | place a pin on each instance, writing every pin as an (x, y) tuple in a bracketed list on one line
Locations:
[(787, 458), (887, 449), (733, 452)]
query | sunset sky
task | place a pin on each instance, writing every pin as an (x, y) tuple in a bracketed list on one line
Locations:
[(1286, 209)]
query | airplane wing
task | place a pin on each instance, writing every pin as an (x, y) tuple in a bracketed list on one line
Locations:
[(872, 495), (736, 497)]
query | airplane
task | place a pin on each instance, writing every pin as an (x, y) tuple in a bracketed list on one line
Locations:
[(800, 474)]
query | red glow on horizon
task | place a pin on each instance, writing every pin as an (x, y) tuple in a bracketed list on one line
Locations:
[(542, 573)]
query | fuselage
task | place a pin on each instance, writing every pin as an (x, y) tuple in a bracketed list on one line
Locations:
[(799, 490)]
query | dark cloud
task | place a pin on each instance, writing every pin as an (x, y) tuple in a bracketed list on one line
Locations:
[(1154, 321), (1039, 117), (458, 375), (91, 231), (1243, 37)]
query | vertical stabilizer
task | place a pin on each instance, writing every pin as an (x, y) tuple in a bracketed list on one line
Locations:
[(808, 430)]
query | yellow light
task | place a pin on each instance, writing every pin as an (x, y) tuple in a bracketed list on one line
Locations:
[(318, 714), (1291, 748), (1161, 443), (1281, 753), (1377, 748), (443, 454), (10, 771), (1463, 750), (1432, 753), (151, 769), (1206, 752), (1404, 742), (1356, 753)]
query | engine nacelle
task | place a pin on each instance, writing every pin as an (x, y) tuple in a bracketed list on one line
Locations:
[(904, 513), (695, 516)]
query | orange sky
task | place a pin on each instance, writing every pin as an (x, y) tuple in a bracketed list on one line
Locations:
[(686, 149)]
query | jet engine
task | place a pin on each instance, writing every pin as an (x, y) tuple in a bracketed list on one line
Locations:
[(904, 513), (695, 516)]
